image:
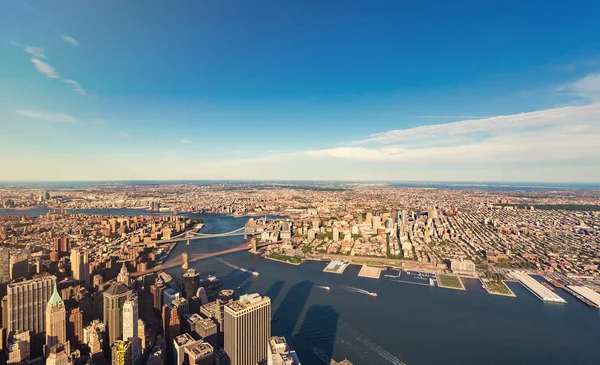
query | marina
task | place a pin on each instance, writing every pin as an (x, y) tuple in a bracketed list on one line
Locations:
[(535, 287)]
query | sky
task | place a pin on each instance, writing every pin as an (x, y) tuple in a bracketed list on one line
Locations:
[(396, 90)]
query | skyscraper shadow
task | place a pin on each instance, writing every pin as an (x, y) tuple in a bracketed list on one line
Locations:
[(285, 318), (316, 337), (274, 290)]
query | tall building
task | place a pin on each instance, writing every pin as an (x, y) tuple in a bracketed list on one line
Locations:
[(179, 344), (93, 337), (191, 283), (19, 265), (58, 356), (186, 262), (171, 323), (336, 233), (248, 330), (4, 265), (123, 276), (80, 266), (142, 336), (114, 299), (75, 327), (18, 348), (121, 353), (130, 327), (199, 353), (26, 309), (56, 320)]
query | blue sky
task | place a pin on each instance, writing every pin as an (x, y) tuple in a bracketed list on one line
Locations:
[(336, 90)]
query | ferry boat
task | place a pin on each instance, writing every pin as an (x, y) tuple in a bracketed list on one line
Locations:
[(373, 294), (325, 287), (255, 273)]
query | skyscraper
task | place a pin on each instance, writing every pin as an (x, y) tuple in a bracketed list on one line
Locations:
[(56, 320), (58, 356), (130, 327), (121, 353), (248, 329), (26, 309), (19, 265), (75, 327), (191, 282), (114, 300), (80, 266), (4, 265), (123, 276)]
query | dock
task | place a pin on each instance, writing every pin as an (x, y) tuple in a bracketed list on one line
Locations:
[(370, 272), (585, 294), (336, 267), (536, 288)]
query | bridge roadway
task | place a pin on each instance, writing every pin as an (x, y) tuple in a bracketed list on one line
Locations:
[(191, 235), (178, 261)]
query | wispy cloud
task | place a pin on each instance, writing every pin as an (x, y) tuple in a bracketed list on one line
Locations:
[(588, 87), (75, 86), (70, 40), (186, 141), (46, 116), (451, 116), (44, 68)]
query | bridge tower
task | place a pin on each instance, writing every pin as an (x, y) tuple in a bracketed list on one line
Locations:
[(186, 263), (253, 245)]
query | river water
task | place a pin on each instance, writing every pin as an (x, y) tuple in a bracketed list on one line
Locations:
[(404, 324)]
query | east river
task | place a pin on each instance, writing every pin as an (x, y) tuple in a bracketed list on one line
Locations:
[(404, 324)]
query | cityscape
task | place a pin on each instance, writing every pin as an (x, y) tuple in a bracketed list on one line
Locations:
[(310, 182)]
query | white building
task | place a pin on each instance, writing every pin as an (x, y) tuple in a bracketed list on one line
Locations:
[(130, 327)]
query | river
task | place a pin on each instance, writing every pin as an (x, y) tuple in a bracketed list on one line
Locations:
[(404, 324)]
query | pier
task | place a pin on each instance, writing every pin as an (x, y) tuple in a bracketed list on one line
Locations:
[(535, 287)]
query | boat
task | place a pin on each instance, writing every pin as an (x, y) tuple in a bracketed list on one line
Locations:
[(373, 294), (255, 273), (431, 282), (325, 287)]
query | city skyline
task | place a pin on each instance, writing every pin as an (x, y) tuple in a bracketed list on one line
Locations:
[(390, 91)]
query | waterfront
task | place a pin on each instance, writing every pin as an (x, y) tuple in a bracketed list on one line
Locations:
[(410, 324)]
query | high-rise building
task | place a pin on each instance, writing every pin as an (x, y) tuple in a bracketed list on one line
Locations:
[(179, 344), (248, 329), (130, 327), (113, 300), (56, 320), (19, 265), (369, 218), (199, 353), (26, 309), (123, 276), (142, 336), (4, 265), (171, 323), (186, 262), (93, 337), (121, 353), (58, 356), (80, 266), (191, 283), (75, 327), (157, 290), (376, 222), (19, 347), (336, 233)]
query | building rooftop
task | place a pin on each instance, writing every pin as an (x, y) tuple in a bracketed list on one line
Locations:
[(116, 289), (199, 349), (183, 339)]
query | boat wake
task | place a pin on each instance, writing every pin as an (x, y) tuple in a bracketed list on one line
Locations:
[(352, 289), (323, 287), (255, 273), (370, 344)]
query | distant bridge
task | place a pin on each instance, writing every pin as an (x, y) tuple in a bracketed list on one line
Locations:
[(190, 235)]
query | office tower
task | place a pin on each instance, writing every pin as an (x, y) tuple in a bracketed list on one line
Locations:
[(376, 222), (75, 327), (369, 218), (19, 347), (247, 329), (58, 356), (56, 321), (26, 309), (201, 294), (179, 344), (19, 265), (130, 327), (204, 328), (4, 265), (336, 234), (191, 283), (142, 336), (171, 323), (80, 266), (93, 337), (169, 295), (157, 290), (199, 353), (123, 276), (121, 353), (113, 300), (280, 352)]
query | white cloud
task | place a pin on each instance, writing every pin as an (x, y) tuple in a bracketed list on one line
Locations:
[(494, 125), (46, 116), (70, 40), (75, 86), (35, 51), (44, 68), (588, 86), (186, 141)]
